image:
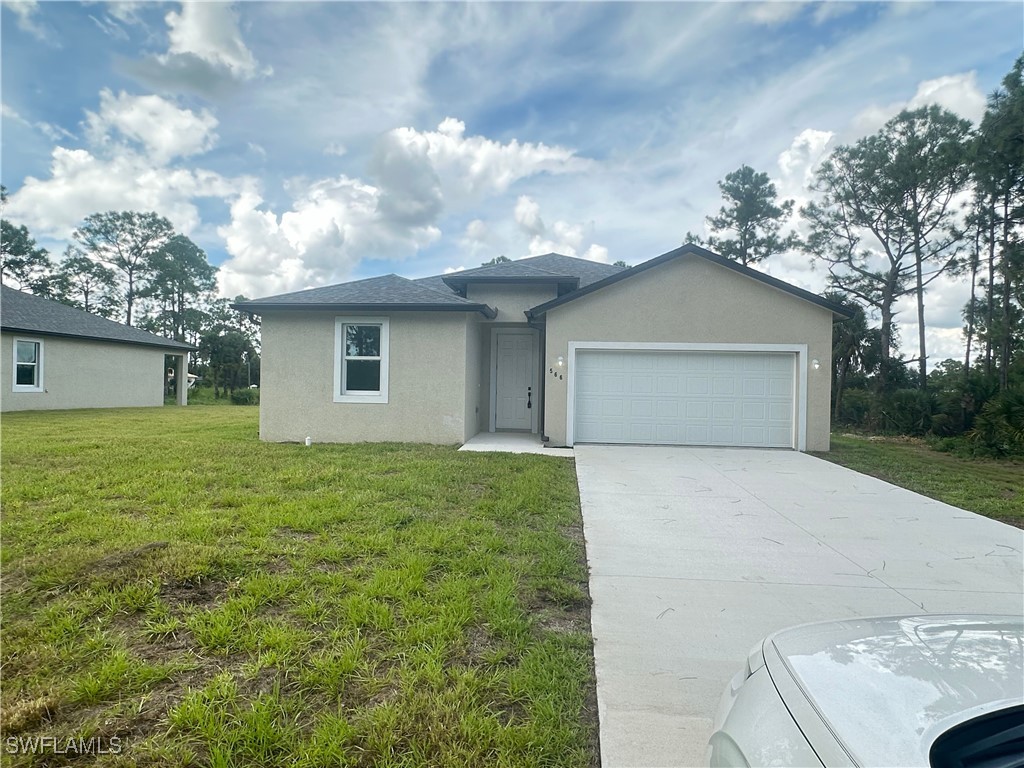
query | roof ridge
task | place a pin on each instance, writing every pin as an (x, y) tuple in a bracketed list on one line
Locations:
[(446, 296)]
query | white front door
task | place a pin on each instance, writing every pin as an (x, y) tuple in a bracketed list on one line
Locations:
[(515, 399)]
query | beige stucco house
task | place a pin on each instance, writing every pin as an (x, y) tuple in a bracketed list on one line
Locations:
[(53, 356), (688, 348)]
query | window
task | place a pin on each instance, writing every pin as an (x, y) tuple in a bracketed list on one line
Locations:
[(361, 360), (28, 365)]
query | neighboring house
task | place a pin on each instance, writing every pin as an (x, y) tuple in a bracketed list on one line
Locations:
[(688, 348), (56, 356)]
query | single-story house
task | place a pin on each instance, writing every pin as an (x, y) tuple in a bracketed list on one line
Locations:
[(688, 348), (55, 356)]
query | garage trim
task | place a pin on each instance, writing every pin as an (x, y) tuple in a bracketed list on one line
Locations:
[(800, 414)]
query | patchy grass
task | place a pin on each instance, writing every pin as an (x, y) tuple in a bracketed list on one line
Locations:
[(213, 600), (989, 487)]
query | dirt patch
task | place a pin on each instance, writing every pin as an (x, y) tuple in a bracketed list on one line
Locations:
[(194, 592)]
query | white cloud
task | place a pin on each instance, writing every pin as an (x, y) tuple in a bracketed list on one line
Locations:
[(81, 183), (209, 31), (335, 148), (26, 11), (774, 12), (49, 130), (465, 168), (799, 161), (958, 93), (331, 226), (165, 130), (479, 242), (560, 237)]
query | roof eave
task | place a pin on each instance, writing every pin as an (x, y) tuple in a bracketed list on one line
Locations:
[(258, 309), (694, 250), (169, 344)]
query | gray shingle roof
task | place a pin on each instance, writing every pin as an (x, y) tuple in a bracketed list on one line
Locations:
[(31, 314), (550, 265), (586, 270), (387, 291), (432, 293)]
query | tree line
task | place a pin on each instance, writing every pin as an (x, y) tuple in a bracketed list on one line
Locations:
[(136, 269), (926, 195)]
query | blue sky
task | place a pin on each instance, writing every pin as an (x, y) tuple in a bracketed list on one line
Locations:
[(302, 144)]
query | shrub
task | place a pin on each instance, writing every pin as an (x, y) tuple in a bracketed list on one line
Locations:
[(855, 407), (944, 425), (1000, 425), (905, 412), (245, 397)]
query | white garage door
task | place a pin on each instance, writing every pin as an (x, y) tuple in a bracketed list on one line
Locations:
[(685, 398)]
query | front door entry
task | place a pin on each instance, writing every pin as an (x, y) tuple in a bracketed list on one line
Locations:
[(515, 386)]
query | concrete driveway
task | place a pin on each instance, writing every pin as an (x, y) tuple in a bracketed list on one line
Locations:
[(697, 553)]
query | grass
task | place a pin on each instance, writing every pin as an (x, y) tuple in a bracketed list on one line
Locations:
[(989, 487), (209, 599)]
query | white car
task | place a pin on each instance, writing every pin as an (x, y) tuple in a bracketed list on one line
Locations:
[(931, 691)]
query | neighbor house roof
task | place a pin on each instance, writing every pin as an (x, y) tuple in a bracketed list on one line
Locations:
[(695, 251), (24, 313), (389, 292)]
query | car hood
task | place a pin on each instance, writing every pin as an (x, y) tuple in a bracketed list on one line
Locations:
[(886, 688)]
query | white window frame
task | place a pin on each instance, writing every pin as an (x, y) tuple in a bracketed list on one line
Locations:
[(38, 386), (340, 396)]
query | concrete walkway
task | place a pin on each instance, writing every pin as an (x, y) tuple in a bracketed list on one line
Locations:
[(512, 442), (697, 553)]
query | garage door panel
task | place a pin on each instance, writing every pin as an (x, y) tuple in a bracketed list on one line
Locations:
[(641, 384), (695, 398)]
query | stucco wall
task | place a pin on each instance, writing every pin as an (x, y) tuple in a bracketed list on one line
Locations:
[(511, 301), (85, 374), (692, 300), (427, 387)]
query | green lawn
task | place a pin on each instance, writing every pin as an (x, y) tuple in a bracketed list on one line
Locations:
[(991, 488), (212, 600)]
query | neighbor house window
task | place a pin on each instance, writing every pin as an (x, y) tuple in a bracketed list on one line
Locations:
[(361, 360), (28, 365)]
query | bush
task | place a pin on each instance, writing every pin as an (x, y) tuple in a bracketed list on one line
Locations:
[(944, 425), (855, 407), (906, 412), (245, 397), (1000, 425)]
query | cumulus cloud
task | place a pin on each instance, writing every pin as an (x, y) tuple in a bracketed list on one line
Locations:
[(799, 161), (209, 31), (129, 164), (469, 168), (958, 93), (81, 183), (163, 129), (332, 224), (206, 53), (560, 237)]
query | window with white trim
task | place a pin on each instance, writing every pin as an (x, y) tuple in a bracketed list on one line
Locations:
[(28, 365), (361, 360)]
